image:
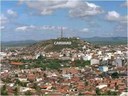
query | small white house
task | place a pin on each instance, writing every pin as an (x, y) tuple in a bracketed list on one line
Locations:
[(95, 61), (103, 68), (101, 86), (117, 62), (87, 57)]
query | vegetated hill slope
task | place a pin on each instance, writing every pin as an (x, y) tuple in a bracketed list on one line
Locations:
[(49, 46)]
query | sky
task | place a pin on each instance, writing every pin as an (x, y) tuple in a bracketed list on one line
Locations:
[(44, 19)]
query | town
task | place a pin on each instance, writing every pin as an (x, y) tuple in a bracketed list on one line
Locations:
[(84, 70), (63, 48)]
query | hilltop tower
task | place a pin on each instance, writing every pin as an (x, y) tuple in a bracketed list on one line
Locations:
[(61, 32)]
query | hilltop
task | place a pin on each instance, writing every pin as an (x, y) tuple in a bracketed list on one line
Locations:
[(50, 46)]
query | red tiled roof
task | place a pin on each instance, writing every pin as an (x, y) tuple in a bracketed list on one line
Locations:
[(89, 93), (16, 63), (31, 77), (43, 87)]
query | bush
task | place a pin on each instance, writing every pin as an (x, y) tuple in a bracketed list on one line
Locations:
[(115, 75)]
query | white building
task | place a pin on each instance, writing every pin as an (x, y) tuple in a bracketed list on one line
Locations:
[(87, 57), (95, 61), (103, 68), (117, 62)]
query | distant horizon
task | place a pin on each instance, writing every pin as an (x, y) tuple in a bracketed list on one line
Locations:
[(64, 37)]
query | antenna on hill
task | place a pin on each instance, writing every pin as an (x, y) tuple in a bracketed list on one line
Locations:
[(61, 32)]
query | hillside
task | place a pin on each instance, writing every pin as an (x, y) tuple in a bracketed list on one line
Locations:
[(48, 45)]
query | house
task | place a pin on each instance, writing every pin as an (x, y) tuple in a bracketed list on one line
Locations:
[(117, 62), (87, 57), (16, 64), (124, 94), (103, 68), (95, 61), (101, 86)]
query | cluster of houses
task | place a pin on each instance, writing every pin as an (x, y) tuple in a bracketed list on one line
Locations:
[(71, 81), (74, 81)]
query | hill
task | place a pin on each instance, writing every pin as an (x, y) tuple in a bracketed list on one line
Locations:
[(56, 45)]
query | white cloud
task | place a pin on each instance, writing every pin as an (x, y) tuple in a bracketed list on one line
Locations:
[(85, 30), (113, 16), (22, 28), (77, 8), (46, 12), (121, 26), (47, 27), (3, 19), (11, 12), (39, 28), (85, 9)]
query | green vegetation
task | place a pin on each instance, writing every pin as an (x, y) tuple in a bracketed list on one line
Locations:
[(7, 80), (52, 63), (4, 90), (98, 91), (86, 83), (115, 75), (108, 93), (16, 90), (112, 93), (76, 43), (28, 93), (81, 63), (49, 46)]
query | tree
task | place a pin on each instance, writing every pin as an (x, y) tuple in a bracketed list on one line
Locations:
[(4, 90), (86, 83), (53, 88), (36, 87), (98, 91), (17, 82), (44, 75), (16, 90), (24, 84), (112, 93), (116, 87), (81, 63), (28, 93), (40, 57), (115, 75)]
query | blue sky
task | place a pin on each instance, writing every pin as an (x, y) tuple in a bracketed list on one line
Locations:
[(22, 20)]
